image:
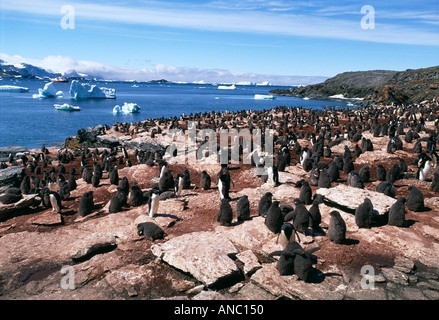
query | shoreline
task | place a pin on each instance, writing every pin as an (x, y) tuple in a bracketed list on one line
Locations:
[(48, 241)]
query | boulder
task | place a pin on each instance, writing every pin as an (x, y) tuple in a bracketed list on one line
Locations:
[(11, 177), (6, 151), (350, 198), (7, 210), (205, 255)]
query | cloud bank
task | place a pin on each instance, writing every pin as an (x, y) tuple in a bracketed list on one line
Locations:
[(63, 64)]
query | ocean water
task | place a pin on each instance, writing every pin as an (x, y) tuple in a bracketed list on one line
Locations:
[(30, 122)]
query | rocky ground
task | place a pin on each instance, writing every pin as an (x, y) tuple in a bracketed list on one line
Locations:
[(45, 255)]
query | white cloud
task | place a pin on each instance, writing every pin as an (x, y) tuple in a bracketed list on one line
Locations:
[(62, 64)]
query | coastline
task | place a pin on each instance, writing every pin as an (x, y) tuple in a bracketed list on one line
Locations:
[(111, 240)]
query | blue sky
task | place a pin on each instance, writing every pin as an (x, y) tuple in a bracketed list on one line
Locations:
[(223, 37)]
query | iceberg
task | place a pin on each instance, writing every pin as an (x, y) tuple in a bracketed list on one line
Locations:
[(86, 91), (49, 91), (127, 108), (66, 107), (264, 97), (13, 89)]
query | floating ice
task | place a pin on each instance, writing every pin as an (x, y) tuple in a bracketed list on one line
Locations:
[(86, 91), (13, 89), (127, 108), (49, 91)]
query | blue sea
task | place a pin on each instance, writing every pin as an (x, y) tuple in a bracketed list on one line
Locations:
[(31, 122)]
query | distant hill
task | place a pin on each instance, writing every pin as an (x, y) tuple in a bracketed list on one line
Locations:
[(380, 86)]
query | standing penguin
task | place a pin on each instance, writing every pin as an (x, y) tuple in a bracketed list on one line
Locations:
[(223, 181), (380, 173), (86, 204), (336, 228), (265, 203), (324, 179), (72, 183), (225, 213), (397, 213), (25, 185), (115, 205), (136, 196), (305, 194), (301, 216), (186, 179), (178, 185), (274, 218), (415, 199), (153, 202), (243, 209), (287, 234), (364, 214), (95, 180), (273, 175), (205, 181), (423, 170), (55, 201), (435, 183), (114, 176)]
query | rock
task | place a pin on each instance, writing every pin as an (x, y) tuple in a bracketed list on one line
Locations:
[(350, 198), (395, 276), (404, 265), (250, 261), (251, 291), (11, 177), (203, 254), (6, 151), (47, 219), (96, 243), (269, 279), (107, 141), (7, 210)]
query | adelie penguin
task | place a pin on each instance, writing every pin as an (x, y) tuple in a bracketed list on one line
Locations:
[(225, 213), (423, 170), (415, 199), (178, 185), (435, 182), (136, 196), (205, 181), (305, 194), (397, 213), (301, 217), (274, 218), (150, 231), (115, 205), (223, 181), (364, 215), (287, 234), (336, 228), (153, 202), (265, 203), (273, 176), (243, 209), (86, 204)]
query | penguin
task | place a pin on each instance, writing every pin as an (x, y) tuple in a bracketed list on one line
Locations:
[(225, 213), (243, 209), (64, 191), (186, 179), (55, 201), (394, 174), (336, 228), (11, 195), (150, 231), (397, 213), (314, 176), (274, 218), (324, 179), (301, 217), (124, 185), (415, 199), (205, 180), (364, 173), (166, 182), (273, 175), (87, 175), (287, 234), (163, 166), (354, 180), (305, 194), (348, 165), (115, 204), (95, 180), (380, 173), (178, 185), (223, 181), (114, 176), (304, 155), (72, 183), (423, 170), (86, 204), (315, 217), (435, 182), (136, 196), (25, 185), (265, 203), (387, 188), (364, 215), (333, 171), (153, 202)]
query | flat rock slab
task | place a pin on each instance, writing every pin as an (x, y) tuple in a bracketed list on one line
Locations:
[(204, 254), (47, 219), (7, 210), (289, 286), (350, 198)]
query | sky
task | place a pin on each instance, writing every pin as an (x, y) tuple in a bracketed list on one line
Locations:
[(220, 40)]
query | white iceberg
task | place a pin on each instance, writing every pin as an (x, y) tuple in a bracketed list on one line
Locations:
[(127, 108), (264, 97), (86, 91), (66, 107), (49, 91), (7, 88)]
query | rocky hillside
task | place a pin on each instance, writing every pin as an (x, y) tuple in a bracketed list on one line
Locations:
[(381, 86)]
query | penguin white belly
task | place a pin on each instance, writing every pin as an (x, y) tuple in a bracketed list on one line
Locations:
[(180, 186), (220, 188), (154, 205)]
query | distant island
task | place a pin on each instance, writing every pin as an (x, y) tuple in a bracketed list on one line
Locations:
[(380, 86)]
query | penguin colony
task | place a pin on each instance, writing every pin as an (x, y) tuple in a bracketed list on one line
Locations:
[(46, 174)]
